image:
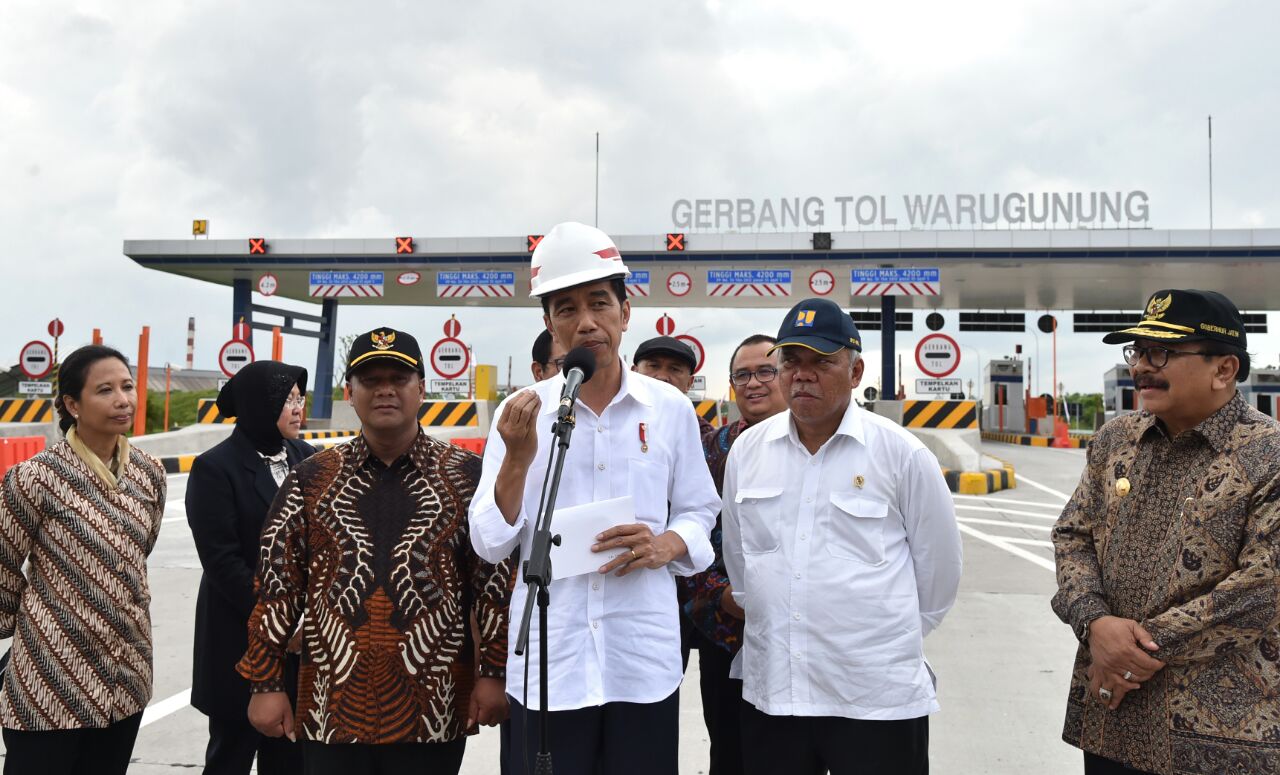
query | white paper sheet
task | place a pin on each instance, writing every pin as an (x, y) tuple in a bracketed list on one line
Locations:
[(578, 527)]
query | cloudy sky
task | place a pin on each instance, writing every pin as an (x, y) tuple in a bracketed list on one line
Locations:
[(125, 120)]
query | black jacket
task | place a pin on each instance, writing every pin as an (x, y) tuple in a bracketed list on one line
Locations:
[(228, 494)]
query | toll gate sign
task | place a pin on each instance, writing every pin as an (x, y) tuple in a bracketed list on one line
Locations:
[(938, 355)]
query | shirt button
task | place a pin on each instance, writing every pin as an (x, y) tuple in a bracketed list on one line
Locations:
[(796, 655), (595, 585), (797, 617), (797, 575), (599, 429), (808, 500), (600, 466), (595, 625), (803, 536)]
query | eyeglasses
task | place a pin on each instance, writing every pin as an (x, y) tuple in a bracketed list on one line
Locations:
[(762, 374), (295, 403), (1158, 357), (558, 363)]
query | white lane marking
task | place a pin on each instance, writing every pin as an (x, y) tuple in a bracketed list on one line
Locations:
[(166, 707), (1002, 523), (1028, 541), (1002, 543), (1037, 515), (991, 499), (1056, 493), (167, 520), (176, 477)]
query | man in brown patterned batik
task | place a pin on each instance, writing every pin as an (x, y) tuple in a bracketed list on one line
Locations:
[(371, 539), (1166, 558)]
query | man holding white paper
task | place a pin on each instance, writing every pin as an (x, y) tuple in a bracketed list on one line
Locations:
[(613, 634)]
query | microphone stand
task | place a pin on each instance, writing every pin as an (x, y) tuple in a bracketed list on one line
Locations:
[(537, 574)]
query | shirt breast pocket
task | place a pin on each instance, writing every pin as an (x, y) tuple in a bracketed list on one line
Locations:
[(647, 485), (759, 513), (855, 528)]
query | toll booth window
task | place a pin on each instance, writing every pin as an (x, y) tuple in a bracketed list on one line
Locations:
[(1126, 400), (1264, 404)]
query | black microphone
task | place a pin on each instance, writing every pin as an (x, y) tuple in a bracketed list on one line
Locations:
[(579, 365)]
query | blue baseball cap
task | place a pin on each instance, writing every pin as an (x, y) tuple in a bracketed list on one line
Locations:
[(821, 326)]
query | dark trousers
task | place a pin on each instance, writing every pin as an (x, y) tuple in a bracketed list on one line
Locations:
[(104, 751), (813, 745), (389, 759), (234, 742), (617, 738), (721, 708), (1097, 765)]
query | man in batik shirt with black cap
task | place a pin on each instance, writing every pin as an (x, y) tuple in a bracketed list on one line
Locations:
[(371, 539), (1166, 557)]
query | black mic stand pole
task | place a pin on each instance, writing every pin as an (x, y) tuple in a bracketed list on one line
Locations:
[(537, 574)]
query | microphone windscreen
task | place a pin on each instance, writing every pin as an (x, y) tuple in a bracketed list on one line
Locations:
[(580, 358)]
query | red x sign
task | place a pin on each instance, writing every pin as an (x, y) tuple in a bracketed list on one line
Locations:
[(533, 240), (675, 242), (404, 244), (257, 246)]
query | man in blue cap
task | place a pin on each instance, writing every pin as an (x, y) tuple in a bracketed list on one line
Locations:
[(841, 544)]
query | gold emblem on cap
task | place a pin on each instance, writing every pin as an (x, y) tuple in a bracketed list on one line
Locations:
[(1157, 307), (1122, 486), (382, 340), (859, 480)]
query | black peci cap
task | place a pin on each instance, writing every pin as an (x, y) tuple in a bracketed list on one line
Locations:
[(666, 345)]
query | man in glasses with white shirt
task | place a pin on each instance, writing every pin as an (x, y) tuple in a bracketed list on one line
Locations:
[(1167, 554)]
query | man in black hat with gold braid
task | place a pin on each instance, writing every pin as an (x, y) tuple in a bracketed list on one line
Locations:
[(1167, 559)]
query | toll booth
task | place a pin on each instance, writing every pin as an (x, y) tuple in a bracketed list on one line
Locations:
[(1118, 393), (1262, 391), (1002, 396)]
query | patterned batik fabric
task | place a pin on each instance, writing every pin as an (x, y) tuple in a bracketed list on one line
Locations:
[(1189, 550), (81, 615), (701, 594), (380, 559)]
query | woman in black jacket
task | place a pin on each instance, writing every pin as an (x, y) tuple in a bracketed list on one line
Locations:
[(228, 494)]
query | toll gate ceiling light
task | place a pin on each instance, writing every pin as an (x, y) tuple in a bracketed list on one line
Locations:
[(675, 242), (869, 320), (934, 321), (993, 321), (531, 241), (822, 240)]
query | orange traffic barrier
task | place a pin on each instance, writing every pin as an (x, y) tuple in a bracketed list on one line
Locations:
[(475, 445), (15, 449)]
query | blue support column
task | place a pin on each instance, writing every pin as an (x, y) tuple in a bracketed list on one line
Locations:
[(241, 302), (888, 351), (322, 387)]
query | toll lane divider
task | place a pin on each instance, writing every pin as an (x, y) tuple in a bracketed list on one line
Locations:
[(707, 411), (1076, 441), (26, 410), (980, 482), (940, 414)]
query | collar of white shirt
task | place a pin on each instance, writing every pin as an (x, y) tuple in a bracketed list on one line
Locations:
[(850, 425), (635, 388)]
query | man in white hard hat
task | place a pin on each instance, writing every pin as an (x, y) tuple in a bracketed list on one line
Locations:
[(614, 634)]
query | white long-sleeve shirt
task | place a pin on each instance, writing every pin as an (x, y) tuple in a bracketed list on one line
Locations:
[(843, 561), (611, 639)]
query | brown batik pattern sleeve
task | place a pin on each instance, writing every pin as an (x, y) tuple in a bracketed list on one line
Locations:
[(280, 586), (1080, 598), (1241, 608), (490, 584)]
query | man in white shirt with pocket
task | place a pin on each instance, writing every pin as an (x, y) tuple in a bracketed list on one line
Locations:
[(614, 633), (841, 544)]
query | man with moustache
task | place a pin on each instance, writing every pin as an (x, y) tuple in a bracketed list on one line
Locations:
[(842, 548), (1166, 559), (613, 635), (714, 619)]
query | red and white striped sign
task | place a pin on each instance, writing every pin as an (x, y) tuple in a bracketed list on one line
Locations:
[(345, 285), (638, 283), (895, 289), (748, 282), (475, 285)]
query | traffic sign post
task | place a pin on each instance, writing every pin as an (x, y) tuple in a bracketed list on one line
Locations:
[(450, 358), (938, 355), (268, 284), (936, 386), (452, 327), (679, 284), (35, 360), (665, 325), (698, 352), (822, 282), (35, 388), (56, 330), (234, 356)]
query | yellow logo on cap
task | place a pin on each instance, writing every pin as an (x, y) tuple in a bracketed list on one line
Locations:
[(382, 340), (1157, 307), (804, 318)]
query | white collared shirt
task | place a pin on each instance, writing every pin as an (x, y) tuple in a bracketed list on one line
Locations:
[(611, 639), (843, 561)]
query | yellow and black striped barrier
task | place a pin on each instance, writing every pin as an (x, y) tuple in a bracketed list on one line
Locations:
[(448, 414), (940, 414), (1075, 441), (26, 410), (177, 464), (707, 411), (312, 435), (980, 482), (207, 413)]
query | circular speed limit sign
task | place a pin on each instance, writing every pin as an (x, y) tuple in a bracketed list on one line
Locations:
[(679, 284)]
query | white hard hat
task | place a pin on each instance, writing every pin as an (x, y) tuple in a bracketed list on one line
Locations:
[(573, 254)]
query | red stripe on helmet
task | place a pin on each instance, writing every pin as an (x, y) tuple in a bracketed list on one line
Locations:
[(609, 253)]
